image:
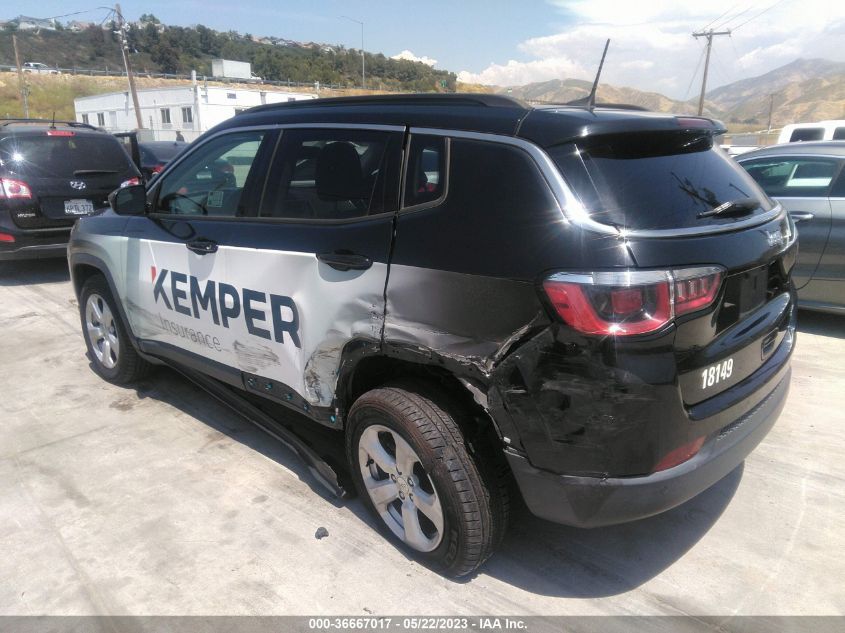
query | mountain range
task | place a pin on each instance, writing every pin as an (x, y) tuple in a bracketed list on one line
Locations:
[(804, 90)]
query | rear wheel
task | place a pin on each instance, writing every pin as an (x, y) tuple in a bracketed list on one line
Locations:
[(412, 467), (112, 355)]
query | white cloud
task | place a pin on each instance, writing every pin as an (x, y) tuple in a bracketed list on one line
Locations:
[(652, 47), (638, 64), (516, 73), (409, 56)]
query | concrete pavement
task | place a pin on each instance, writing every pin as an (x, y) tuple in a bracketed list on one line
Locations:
[(159, 500)]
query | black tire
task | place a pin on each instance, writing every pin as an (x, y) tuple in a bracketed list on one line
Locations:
[(128, 367), (473, 499)]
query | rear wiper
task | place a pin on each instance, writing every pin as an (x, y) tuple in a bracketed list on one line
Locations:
[(743, 205), (89, 172)]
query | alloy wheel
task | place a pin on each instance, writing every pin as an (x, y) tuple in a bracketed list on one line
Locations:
[(400, 488), (102, 331)]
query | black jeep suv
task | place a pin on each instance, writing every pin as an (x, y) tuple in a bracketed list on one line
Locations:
[(590, 307), (51, 174)]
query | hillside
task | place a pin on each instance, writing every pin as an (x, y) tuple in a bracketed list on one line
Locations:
[(565, 90), (51, 94), (805, 90), (157, 48)]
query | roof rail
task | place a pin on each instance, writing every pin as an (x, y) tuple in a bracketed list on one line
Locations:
[(5, 121), (415, 99)]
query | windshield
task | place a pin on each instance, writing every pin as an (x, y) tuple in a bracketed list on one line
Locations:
[(62, 156), (657, 180)]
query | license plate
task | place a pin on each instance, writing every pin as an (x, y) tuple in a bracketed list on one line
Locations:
[(713, 375), (79, 207)]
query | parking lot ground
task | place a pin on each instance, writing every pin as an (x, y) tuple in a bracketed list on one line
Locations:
[(158, 500)]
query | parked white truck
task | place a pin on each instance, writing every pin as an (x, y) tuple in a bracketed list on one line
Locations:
[(833, 130)]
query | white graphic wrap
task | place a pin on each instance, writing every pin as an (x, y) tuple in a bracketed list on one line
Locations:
[(278, 314)]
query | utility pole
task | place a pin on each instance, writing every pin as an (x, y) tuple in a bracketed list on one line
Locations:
[(363, 63), (121, 33), (771, 109), (21, 82), (709, 35)]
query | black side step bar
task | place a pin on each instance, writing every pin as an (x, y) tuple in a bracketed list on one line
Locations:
[(321, 471)]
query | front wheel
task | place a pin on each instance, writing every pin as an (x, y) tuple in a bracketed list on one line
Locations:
[(411, 465), (112, 355)]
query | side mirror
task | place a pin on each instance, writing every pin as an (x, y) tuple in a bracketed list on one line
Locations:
[(130, 200)]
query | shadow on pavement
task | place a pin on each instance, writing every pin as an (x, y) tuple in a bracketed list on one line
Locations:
[(821, 323), (555, 560), (34, 271), (167, 385), (537, 556)]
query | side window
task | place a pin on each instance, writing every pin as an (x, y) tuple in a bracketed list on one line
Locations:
[(426, 177), (793, 177), (333, 175), (211, 180)]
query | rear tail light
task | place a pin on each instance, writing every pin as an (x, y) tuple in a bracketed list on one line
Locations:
[(158, 168), (5, 237), (14, 189), (130, 182), (60, 133), (630, 302)]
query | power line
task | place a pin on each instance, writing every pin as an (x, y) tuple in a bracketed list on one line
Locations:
[(720, 17), (726, 76), (67, 15), (694, 73), (734, 17), (754, 17)]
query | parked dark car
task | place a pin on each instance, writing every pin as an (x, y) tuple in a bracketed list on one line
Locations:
[(51, 174), (149, 156), (156, 154), (809, 180), (590, 307)]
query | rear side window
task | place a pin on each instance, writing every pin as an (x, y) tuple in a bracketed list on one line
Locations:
[(63, 156), (839, 134), (333, 175), (794, 177), (807, 134), (426, 176), (655, 180), (211, 181)]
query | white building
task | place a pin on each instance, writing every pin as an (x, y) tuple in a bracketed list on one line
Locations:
[(189, 110)]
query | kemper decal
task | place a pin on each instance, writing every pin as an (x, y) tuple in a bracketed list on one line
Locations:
[(282, 315), (262, 313)]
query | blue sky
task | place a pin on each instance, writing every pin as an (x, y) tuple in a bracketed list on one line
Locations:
[(509, 43), (458, 34)]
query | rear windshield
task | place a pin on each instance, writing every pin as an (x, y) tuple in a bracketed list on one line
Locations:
[(63, 156), (161, 151), (657, 180)]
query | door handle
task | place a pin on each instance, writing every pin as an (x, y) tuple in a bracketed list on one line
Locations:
[(801, 216), (202, 246), (345, 261)]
